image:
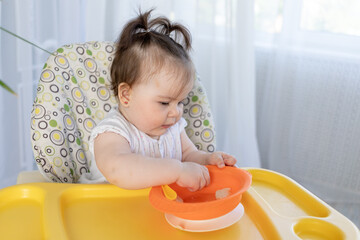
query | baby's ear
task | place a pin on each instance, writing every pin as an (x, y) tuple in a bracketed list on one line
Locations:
[(124, 91)]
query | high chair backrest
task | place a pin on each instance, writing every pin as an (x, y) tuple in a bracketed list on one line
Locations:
[(73, 95)]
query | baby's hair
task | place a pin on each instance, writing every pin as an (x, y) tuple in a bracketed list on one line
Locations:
[(145, 45)]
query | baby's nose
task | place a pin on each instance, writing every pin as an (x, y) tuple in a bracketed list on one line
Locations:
[(175, 111)]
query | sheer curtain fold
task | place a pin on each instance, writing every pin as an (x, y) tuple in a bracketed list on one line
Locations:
[(241, 87), (222, 52), (9, 103), (308, 117)]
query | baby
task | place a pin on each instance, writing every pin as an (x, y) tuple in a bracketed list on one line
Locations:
[(143, 143)]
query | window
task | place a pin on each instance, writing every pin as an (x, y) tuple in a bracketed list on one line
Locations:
[(268, 15), (329, 25), (331, 16)]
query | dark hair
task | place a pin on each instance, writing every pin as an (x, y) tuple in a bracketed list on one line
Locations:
[(146, 44)]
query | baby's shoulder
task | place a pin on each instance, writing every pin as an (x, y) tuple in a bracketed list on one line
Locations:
[(113, 117), (113, 122)]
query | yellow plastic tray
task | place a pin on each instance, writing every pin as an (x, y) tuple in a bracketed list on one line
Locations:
[(276, 207)]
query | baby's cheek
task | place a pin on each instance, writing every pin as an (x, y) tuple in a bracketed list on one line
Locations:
[(180, 115)]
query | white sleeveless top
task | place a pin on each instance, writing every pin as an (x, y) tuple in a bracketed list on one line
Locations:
[(167, 146)]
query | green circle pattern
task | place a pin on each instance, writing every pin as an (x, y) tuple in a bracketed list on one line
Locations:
[(197, 113), (61, 126)]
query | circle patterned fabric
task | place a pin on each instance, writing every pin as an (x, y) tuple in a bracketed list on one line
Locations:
[(74, 94)]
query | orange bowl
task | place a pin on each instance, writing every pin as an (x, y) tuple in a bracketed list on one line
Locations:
[(201, 205)]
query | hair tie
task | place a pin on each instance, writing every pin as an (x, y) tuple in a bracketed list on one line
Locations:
[(142, 30)]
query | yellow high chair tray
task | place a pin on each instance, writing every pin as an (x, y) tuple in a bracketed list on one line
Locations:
[(276, 207)]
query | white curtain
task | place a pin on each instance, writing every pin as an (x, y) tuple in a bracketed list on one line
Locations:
[(308, 115), (223, 54)]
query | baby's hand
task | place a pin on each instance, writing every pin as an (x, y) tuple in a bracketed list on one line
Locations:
[(220, 159), (193, 176)]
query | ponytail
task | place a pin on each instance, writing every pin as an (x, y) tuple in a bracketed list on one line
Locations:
[(143, 29), (141, 35)]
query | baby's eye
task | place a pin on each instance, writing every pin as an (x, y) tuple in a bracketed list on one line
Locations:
[(164, 103)]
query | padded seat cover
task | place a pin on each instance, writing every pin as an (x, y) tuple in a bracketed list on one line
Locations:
[(74, 94)]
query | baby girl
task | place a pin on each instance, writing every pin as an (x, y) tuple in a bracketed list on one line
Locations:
[(143, 142)]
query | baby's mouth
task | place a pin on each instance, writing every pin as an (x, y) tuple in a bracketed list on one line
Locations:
[(166, 126)]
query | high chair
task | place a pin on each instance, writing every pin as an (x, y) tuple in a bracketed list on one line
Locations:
[(72, 97)]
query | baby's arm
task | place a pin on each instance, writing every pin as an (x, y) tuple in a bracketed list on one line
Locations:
[(134, 171), (192, 154)]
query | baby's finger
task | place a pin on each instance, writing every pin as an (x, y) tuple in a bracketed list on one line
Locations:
[(228, 159), (206, 176), (202, 183), (218, 160), (221, 164), (194, 188)]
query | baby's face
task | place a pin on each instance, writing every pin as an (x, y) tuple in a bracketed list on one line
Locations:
[(156, 105)]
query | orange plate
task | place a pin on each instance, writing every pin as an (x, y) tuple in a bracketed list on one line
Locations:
[(202, 204)]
